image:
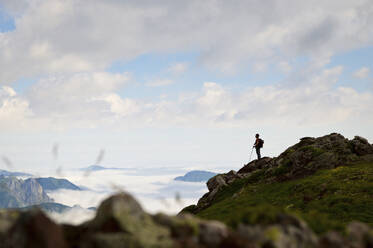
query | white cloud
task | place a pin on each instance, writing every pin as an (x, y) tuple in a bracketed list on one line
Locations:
[(159, 83), (260, 67), (91, 100), (178, 68), (15, 7), (120, 106), (13, 109), (362, 73), (284, 66), (82, 97), (75, 37), (73, 216)]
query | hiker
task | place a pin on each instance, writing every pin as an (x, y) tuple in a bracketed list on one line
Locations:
[(258, 144)]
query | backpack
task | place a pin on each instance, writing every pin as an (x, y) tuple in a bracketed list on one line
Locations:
[(260, 144)]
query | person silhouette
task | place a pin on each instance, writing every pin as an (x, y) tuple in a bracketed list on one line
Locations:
[(258, 144)]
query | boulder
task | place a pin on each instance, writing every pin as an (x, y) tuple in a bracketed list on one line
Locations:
[(332, 240), (33, 229), (360, 146), (359, 235), (121, 213), (264, 162), (212, 233), (215, 184), (217, 181), (183, 226), (287, 232)]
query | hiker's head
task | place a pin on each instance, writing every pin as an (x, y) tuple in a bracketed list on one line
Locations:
[(257, 135)]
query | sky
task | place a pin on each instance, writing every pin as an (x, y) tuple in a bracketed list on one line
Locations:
[(178, 83)]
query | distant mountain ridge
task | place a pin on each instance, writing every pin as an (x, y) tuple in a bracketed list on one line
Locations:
[(51, 183), (99, 168), (48, 207), (14, 174), (196, 176), (53, 207)]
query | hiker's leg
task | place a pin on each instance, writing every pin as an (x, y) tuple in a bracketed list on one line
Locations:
[(258, 152)]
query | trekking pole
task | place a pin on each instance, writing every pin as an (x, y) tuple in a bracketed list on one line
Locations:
[(251, 154)]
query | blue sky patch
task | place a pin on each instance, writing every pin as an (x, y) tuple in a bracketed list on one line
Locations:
[(6, 21)]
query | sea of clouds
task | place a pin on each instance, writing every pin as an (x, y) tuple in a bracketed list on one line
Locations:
[(154, 188)]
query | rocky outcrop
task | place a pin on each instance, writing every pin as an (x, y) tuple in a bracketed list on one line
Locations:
[(121, 222), (20, 193), (214, 185), (301, 160), (361, 146)]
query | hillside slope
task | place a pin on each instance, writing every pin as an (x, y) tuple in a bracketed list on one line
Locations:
[(328, 181)]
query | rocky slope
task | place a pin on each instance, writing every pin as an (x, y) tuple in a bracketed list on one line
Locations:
[(298, 161), (16, 193), (121, 222)]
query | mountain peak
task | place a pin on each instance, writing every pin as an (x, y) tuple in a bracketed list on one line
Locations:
[(303, 159)]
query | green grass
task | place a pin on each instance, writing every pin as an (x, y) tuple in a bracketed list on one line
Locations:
[(284, 168), (327, 200)]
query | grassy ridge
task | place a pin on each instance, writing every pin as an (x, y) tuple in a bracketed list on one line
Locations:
[(327, 200)]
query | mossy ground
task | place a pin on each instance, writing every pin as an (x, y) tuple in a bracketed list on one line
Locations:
[(327, 200)]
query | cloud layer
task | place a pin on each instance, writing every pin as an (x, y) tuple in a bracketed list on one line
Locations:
[(58, 103), (157, 192), (73, 36)]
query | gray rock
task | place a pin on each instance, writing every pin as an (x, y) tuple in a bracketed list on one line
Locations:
[(122, 213), (332, 240), (183, 226), (34, 230), (288, 232), (254, 165), (359, 234), (360, 146), (212, 233)]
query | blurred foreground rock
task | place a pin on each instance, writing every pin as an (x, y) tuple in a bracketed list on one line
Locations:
[(121, 222)]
